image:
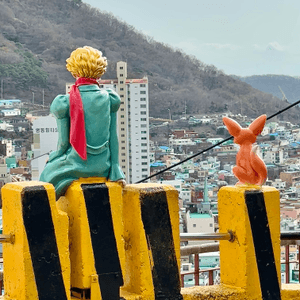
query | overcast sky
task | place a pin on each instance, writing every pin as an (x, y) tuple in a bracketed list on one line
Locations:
[(244, 38)]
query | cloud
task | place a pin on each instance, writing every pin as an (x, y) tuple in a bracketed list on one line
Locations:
[(222, 46), (271, 46)]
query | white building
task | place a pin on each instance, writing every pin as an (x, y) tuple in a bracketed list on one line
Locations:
[(199, 223), (11, 112), (185, 194), (6, 127), (273, 156), (45, 138), (133, 123), (279, 184), (10, 150), (181, 142)]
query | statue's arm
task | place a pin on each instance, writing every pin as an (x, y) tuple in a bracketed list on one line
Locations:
[(60, 109), (115, 172)]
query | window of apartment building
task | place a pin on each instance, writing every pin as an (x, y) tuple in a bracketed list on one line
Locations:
[(122, 102), (122, 135), (194, 225), (142, 92), (143, 99), (122, 109), (144, 151), (143, 112), (142, 85), (123, 160), (144, 170), (144, 176), (121, 82), (121, 75), (121, 68), (122, 116), (123, 142), (143, 144), (143, 106), (123, 148), (122, 123), (123, 154), (144, 157), (144, 163), (143, 119), (122, 129), (143, 125), (101, 85), (143, 132)]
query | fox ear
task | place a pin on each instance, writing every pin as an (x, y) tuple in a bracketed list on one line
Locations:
[(233, 127), (258, 124)]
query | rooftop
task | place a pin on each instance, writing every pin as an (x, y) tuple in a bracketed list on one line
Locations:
[(199, 216)]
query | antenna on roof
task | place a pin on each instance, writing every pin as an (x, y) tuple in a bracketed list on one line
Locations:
[(284, 98)]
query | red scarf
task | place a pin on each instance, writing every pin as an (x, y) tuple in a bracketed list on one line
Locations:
[(77, 130)]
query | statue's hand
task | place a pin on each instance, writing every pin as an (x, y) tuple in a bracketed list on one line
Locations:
[(122, 182)]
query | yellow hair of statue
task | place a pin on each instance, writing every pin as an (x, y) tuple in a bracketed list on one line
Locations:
[(86, 62)]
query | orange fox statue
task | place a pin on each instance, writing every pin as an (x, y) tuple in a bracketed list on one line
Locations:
[(249, 169)]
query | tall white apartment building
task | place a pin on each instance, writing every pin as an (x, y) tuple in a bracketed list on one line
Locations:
[(133, 122)]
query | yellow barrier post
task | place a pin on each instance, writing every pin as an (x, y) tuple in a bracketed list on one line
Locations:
[(94, 207), (252, 261), (37, 264), (152, 242)]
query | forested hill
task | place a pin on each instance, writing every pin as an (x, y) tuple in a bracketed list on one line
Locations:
[(38, 35)]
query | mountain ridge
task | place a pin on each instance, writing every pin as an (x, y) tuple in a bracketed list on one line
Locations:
[(38, 35)]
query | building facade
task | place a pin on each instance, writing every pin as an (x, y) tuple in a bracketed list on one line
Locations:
[(133, 123), (45, 138)]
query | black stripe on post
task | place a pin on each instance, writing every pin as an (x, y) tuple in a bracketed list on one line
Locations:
[(157, 225), (263, 245), (43, 249), (104, 244)]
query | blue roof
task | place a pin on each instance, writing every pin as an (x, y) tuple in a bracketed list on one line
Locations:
[(294, 144), (157, 164), (10, 100), (164, 147)]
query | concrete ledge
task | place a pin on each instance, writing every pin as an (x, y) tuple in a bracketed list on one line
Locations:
[(290, 291), (212, 293)]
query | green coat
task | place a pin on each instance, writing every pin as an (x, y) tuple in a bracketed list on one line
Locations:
[(100, 115)]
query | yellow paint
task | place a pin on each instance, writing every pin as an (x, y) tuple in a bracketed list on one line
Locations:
[(19, 279), (81, 253), (237, 259), (138, 282)]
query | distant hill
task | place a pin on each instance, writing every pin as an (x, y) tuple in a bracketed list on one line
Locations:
[(37, 36), (271, 83)]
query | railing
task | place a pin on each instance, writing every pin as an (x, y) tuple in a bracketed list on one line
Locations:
[(287, 239), (195, 251)]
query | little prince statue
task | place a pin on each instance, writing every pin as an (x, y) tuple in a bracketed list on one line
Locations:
[(87, 126)]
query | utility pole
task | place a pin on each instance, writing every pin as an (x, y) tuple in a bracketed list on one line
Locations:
[(43, 99), (1, 88)]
